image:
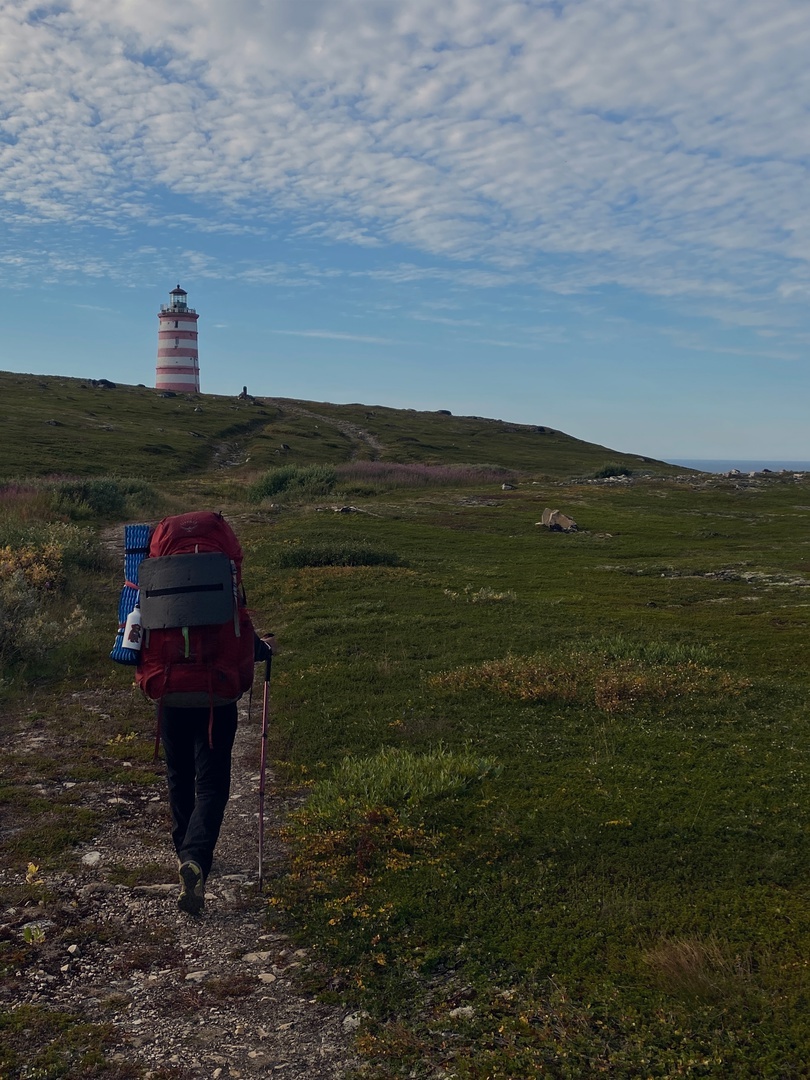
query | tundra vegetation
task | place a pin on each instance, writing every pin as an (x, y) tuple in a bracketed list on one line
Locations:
[(555, 810)]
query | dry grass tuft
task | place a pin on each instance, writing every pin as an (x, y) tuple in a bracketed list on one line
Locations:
[(231, 986), (693, 967), (614, 684)]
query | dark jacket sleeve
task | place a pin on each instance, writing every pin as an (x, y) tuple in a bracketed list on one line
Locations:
[(261, 650)]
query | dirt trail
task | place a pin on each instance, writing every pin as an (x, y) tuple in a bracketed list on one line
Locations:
[(352, 431), (214, 996)]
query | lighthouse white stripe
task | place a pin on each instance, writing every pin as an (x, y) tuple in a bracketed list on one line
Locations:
[(182, 324), (186, 335)]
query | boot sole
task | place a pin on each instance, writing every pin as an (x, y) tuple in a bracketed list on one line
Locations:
[(189, 899)]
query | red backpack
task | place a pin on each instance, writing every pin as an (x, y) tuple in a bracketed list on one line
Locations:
[(198, 638)]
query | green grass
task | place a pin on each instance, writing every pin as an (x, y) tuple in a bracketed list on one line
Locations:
[(434, 438), (44, 1043), (631, 864), (293, 480), (557, 809), (98, 431), (397, 776), (67, 427), (336, 553)]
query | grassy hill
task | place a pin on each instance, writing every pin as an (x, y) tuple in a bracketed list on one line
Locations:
[(54, 425), (556, 817)]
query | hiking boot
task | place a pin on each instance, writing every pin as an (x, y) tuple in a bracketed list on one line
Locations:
[(192, 891)]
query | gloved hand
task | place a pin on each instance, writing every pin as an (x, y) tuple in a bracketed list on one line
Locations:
[(263, 647)]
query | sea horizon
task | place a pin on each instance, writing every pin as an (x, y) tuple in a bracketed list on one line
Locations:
[(722, 465)]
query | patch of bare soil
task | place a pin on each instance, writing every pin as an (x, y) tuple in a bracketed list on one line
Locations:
[(214, 996)]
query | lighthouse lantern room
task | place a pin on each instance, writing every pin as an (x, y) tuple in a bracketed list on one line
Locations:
[(178, 366)]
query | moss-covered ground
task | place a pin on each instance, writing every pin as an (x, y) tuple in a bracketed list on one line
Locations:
[(621, 886)]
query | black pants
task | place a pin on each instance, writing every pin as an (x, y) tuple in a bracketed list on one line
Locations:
[(199, 777)]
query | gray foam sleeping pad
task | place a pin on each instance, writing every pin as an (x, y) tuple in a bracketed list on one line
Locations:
[(186, 590)]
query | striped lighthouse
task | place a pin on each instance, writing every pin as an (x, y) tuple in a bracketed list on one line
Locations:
[(178, 366)]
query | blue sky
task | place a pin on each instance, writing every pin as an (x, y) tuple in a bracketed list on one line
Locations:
[(591, 214)]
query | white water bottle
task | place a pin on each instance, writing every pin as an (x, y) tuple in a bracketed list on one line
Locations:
[(133, 630)]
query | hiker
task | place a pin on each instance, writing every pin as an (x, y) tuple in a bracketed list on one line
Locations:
[(197, 747), (183, 621)]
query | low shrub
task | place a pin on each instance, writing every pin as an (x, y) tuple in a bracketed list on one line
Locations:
[(78, 546), (336, 554), (612, 470), (23, 620), (24, 501), (78, 499), (41, 568), (101, 497), (36, 561), (295, 480), (29, 627)]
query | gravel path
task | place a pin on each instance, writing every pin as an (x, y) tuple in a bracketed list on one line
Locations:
[(216, 996)]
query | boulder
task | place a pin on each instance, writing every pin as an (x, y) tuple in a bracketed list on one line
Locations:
[(556, 521)]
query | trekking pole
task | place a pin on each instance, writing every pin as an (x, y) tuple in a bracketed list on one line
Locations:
[(263, 768)]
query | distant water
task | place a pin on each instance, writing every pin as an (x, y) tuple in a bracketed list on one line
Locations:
[(756, 465)]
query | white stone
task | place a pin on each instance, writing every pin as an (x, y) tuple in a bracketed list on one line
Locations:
[(267, 977), (92, 858), (196, 976)]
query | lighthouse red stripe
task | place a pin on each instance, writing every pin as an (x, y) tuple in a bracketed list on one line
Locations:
[(169, 371)]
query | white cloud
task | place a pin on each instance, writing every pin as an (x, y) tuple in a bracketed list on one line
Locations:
[(570, 145), (337, 335)]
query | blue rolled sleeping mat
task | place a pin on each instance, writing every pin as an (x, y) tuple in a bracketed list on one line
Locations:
[(136, 547)]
